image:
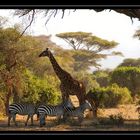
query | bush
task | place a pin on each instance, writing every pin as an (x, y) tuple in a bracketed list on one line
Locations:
[(38, 90), (88, 80), (112, 95), (127, 77)]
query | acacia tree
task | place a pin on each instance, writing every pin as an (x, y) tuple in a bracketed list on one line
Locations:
[(12, 51), (83, 40), (9, 61), (88, 49)]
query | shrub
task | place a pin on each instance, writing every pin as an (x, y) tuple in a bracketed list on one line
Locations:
[(38, 90), (127, 77), (111, 96)]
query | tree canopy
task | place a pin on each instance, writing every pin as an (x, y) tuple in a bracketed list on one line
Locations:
[(88, 48), (127, 77), (48, 13)]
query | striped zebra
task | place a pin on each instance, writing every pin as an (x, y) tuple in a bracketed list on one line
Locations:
[(22, 109), (78, 111), (49, 110), (138, 110)]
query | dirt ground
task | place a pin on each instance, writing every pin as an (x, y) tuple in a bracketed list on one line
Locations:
[(128, 112)]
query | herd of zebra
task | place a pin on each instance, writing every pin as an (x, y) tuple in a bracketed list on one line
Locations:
[(42, 111)]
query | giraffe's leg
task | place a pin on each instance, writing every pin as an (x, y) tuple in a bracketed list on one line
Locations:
[(81, 93), (59, 118), (14, 119), (64, 92), (94, 109), (80, 119), (81, 97), (65, 96)]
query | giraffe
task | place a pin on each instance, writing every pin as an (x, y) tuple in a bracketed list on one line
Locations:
[(68, 85)]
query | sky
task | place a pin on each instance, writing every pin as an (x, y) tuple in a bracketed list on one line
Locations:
[(106, 25)]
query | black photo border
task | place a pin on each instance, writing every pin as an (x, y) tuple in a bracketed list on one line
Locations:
[(104, 4)]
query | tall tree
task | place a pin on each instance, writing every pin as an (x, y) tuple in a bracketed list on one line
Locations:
[(12, 53), (88, 49)]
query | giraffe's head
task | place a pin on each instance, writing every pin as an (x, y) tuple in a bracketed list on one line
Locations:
[(45, 53)]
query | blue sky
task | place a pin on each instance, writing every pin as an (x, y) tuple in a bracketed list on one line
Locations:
[(107, 25)]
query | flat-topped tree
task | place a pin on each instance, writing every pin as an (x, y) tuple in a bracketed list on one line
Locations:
[(88, 48), (87, 41)]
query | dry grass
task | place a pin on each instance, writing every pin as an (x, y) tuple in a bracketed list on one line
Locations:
[(128, 112)]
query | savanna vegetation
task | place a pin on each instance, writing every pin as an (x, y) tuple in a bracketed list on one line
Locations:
[(24, 77)]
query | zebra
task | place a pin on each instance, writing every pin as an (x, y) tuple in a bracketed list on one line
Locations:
[(138, 110), (49, 110), (78, 111), (22, 109)]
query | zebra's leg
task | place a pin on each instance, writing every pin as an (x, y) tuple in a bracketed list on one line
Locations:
[(59, 118), (27, 120), (14, 119), (9, 119), (42, 120), (80, 118), (32, 123)]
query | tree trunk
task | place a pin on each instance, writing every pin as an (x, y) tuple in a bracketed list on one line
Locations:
[(7, 105), (7, 100), (15, 95)]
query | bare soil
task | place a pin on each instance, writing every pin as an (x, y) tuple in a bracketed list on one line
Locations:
[(128, 112)]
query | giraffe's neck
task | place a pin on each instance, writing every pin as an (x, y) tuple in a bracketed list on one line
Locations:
[(58, 70)]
